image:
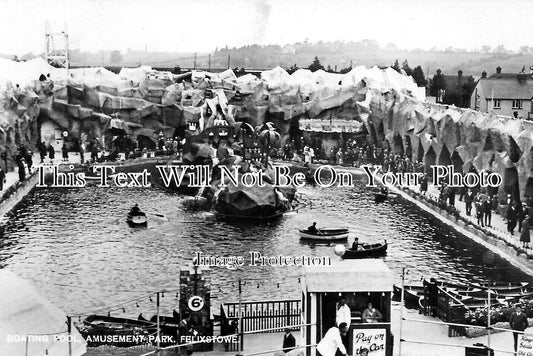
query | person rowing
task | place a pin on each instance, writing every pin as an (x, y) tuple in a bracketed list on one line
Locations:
[(312, 229), (135, 210)]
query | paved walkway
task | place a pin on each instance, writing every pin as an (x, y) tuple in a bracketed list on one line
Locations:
[(12, 177), (498, 223)]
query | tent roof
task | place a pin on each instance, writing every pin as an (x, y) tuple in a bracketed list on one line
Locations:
[(365, 275), (24, 312)]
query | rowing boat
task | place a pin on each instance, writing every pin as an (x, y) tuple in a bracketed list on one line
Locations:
[(138, 219), (366, 250), (325, 234)]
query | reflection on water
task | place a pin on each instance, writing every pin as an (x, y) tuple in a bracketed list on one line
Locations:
[(75, 244)]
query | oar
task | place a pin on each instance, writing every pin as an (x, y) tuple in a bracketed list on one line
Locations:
[(156, 214)]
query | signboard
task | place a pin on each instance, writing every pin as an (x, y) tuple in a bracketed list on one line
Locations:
[(195, 303), (525, 345), (374, 340)]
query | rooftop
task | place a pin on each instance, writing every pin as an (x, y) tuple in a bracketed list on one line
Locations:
[(507, 86)]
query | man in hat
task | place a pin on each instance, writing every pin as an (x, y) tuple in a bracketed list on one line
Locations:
[(289, 342), (518, 322)]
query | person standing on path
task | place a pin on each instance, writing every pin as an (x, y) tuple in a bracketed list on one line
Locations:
[(64, 150), (511, 217), (42, 151), (525, 238), (289, 342), (520, 215), (51, 152), (518, 322), (424, 185), (487, 211), (479, 211), (469, 199)]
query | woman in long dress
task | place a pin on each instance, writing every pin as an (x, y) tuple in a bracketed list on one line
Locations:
[(525, 238)]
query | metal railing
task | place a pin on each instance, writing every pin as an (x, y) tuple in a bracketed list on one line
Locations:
[(264, 314)]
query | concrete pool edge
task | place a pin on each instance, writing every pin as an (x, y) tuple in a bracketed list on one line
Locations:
[(497, 246), (18, 195)]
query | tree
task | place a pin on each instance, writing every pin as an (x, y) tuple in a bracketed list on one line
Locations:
[(345, 70), (418, 76), (116, 57), (406, 68), (500, 49), (292, 69), (468, 89), (485, 49), (524, 49), (315, 65), (396, 66), (437, 84)]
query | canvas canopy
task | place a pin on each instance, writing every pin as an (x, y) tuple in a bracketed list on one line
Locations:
[(366, 275), (24, 312)]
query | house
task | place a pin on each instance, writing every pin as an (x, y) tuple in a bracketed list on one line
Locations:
[(505, 94), (452, 89)]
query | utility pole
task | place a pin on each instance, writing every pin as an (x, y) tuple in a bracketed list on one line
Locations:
[(488, 318), (157, 313), (240, 315), (228, 60), (195, 61), (69, 330), (209, 63), (402, 298)]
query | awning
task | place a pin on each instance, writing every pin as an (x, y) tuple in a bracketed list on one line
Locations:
[(365, 275), (334, 125), (24, 312)]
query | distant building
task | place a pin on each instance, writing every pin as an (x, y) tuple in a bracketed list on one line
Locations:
[(452, 89), (506, 94)]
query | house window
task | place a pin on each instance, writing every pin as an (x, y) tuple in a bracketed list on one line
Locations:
[(496, 104), (517, 104), (440, 95)]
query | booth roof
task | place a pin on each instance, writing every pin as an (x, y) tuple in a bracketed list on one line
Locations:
[(364, 275)]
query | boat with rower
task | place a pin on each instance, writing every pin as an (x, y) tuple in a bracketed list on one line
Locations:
[(137, 219), (325, 234), (366, 251)]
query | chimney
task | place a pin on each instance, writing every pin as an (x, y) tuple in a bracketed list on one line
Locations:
[(499, 70), (483, 74)]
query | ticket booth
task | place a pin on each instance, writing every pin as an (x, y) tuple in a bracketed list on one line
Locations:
[(358, 282)]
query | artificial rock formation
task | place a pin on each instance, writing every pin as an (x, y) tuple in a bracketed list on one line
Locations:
[(144, 102)]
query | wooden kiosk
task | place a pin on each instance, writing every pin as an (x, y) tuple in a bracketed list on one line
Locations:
[(358, 282)]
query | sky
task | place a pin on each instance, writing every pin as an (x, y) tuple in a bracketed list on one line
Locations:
[(203, 25)]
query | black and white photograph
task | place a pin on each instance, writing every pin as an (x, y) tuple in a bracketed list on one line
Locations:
[(266, 178)]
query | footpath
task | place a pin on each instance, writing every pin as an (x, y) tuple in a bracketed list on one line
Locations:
[(14, 190)]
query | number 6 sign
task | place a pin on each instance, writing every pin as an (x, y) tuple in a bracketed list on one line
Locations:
[(195, 303)]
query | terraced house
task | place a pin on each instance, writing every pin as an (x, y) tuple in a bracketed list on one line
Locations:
[(505, 94)]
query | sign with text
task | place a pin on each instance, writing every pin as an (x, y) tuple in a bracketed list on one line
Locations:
[(525, 345), (374, 340), (195, 303)]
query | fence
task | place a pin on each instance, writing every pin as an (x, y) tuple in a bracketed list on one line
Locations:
[(264, 314), (258, 316)]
